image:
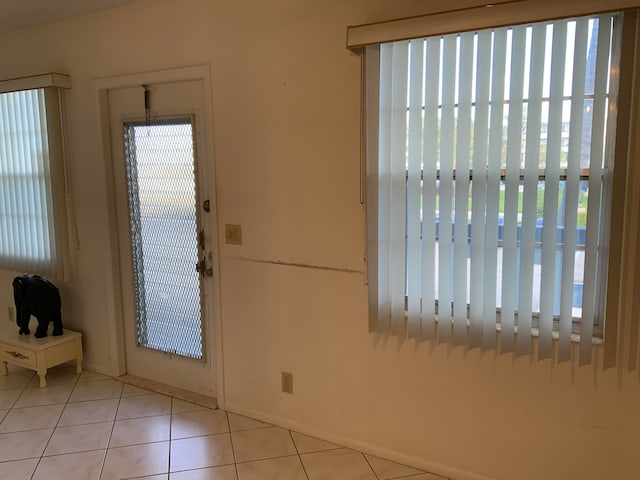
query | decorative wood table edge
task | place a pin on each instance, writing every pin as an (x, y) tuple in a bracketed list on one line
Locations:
[(40, 354)]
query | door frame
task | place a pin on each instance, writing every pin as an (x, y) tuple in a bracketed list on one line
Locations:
[(114, 304)]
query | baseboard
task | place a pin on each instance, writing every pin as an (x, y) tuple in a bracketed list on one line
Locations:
[(158, 387), (178, 393), (395, 456), (96, 368)]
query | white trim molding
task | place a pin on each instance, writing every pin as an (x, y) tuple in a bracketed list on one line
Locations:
[(58, 80), (112, 268), (481, 16)]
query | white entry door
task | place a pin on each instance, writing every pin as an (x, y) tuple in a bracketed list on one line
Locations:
[(166, 230)]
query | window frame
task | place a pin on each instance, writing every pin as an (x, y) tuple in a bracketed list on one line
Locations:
[(57, 266), (611, 289)]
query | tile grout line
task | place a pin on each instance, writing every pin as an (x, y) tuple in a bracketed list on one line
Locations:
[(295, 445), (13, 405), (170, 437), (233, 450), (266, 458), (370, 466), (113, 426), (53, 430), (11, 408)]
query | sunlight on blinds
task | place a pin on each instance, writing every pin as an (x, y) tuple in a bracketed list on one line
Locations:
[(27, 240), (490, 171)]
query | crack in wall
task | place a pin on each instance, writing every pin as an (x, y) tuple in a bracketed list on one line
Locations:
[(299, 265)]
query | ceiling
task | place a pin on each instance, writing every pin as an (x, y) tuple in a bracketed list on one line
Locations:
[(16, 14)]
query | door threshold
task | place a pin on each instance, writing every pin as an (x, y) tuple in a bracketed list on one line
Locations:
[(179, 393)]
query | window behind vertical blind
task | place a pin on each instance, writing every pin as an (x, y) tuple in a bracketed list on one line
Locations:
[(489, 184), (32, 203)]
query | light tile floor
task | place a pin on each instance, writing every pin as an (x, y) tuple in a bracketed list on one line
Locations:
[(92, 427)]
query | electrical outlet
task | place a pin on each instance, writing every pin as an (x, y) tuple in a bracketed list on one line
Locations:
[(233, 234), (11, 314), (287, 382)]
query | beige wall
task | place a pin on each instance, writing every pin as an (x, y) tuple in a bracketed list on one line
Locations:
[(286, 124)]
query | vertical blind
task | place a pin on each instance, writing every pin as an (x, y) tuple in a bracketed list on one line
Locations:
[(489, 156), (27, 227)]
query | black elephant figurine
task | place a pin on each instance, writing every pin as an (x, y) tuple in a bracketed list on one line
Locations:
[(39, 297)]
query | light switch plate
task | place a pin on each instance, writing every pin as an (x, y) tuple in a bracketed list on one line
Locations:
[(233, 234)]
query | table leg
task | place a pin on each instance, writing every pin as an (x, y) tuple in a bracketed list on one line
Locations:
[(79, 367), (5, 368), (43, 379)]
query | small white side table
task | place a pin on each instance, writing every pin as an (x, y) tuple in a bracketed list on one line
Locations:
[(40, 354)]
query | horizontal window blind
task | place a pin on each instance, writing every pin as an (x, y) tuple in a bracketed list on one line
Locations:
[(489, 154)]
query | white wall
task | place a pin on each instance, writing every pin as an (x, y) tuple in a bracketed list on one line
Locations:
[(286, 126)]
